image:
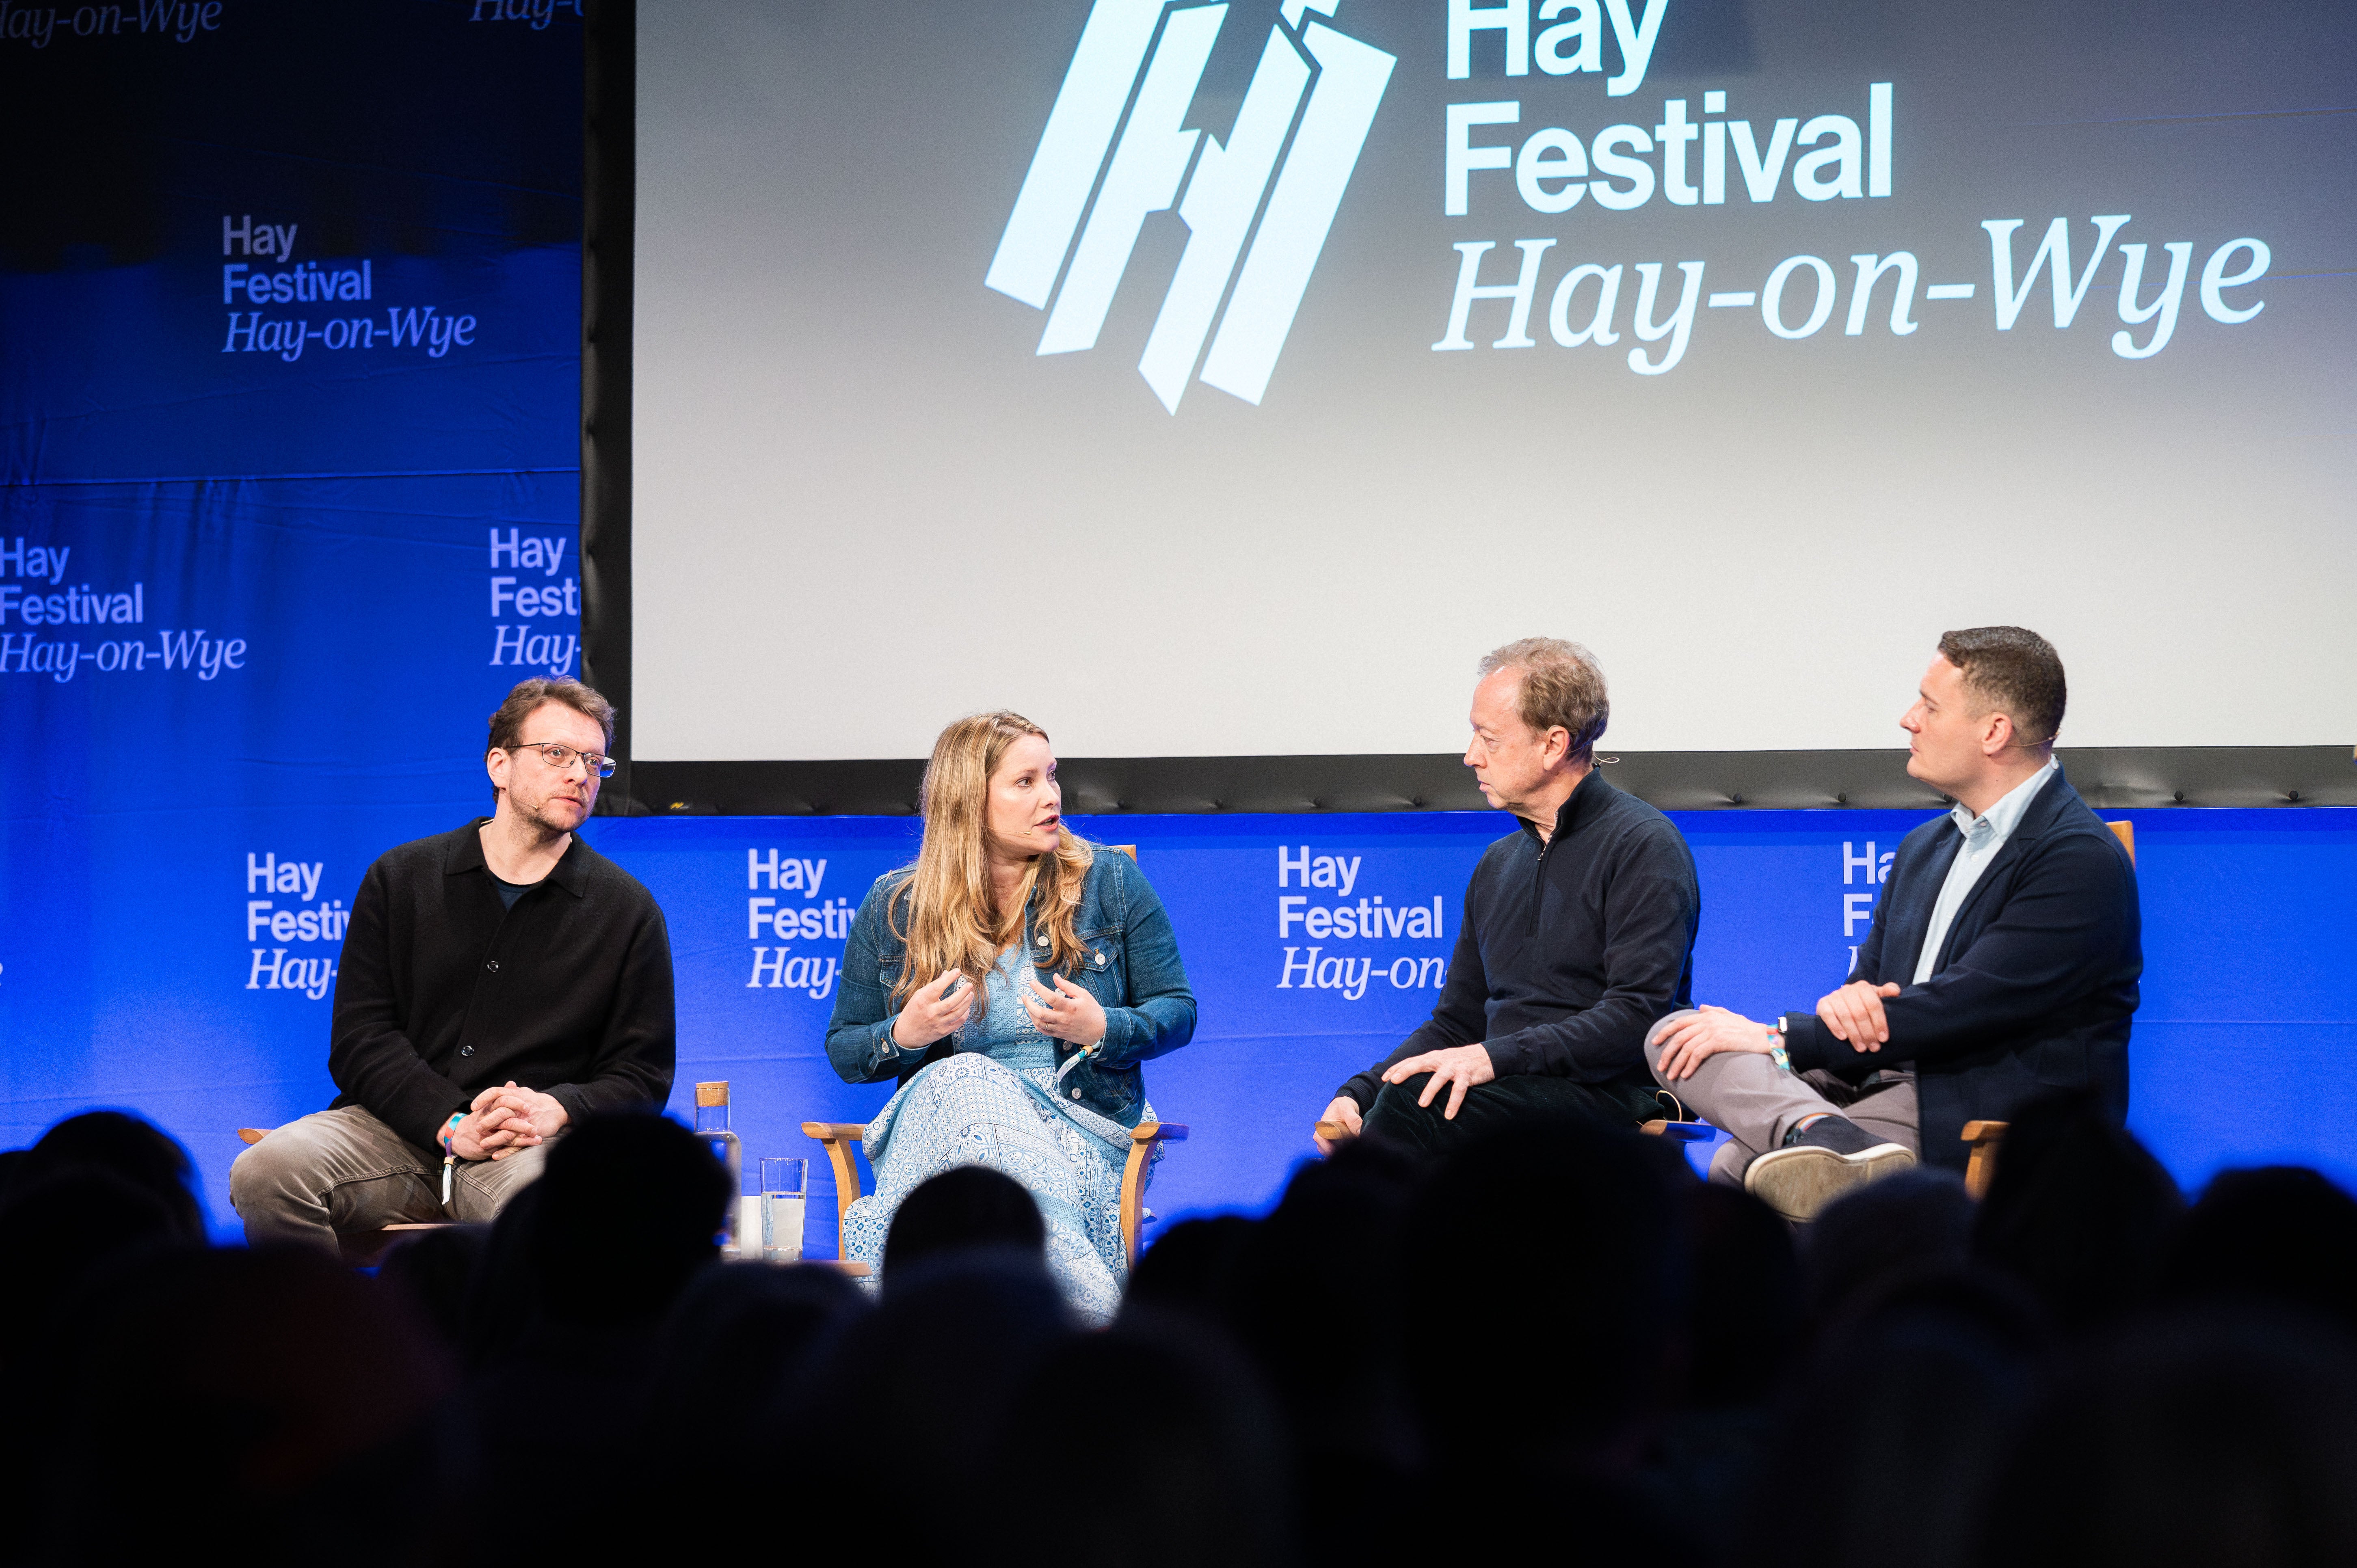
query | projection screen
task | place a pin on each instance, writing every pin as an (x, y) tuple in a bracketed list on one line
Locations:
[(1216, 379)]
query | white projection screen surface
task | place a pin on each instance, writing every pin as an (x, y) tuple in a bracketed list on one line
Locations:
[(1221, 379)]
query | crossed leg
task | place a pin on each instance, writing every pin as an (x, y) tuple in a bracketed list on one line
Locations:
[(1755, 1102)]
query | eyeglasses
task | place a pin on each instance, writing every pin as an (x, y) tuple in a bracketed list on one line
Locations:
[(561, 756)]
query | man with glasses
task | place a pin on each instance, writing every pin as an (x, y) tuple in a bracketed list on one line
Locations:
[(497, 984)]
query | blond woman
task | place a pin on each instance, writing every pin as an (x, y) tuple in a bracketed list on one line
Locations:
[(1011, 980)]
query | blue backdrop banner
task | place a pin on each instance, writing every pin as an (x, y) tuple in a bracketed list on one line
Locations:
[(1315, 943), (289, 393)]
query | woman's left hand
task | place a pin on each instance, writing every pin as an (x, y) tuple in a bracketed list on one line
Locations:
[(1067, 1013)]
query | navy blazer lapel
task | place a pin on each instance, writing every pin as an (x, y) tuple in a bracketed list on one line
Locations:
[(2038, 817), (1912, 919)]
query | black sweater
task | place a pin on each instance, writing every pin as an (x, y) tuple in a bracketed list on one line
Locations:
[(1568, 950), (442, 992)]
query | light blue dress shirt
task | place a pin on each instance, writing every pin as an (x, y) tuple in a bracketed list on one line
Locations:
[(1984, 836)]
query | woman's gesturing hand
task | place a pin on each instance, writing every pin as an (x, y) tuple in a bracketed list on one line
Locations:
[(931, 1011), (1067, 1013)]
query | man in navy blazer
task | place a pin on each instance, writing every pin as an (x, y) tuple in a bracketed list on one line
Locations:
[(2002, 964)]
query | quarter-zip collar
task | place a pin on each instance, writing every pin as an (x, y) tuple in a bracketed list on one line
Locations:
[(1588, 801), (1568, 950)]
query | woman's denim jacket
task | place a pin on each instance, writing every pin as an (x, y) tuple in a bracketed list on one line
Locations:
[(1129, 963)]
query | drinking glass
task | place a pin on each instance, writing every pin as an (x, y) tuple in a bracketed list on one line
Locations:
[(781, 1209)]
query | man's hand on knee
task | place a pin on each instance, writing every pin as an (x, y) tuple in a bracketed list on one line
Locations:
[(1345, 1110), (1703, 1034), (1854, 1013), (1460, 1067)]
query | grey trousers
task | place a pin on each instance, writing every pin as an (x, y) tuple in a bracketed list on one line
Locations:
[(345, 1170), (1755, 1102)]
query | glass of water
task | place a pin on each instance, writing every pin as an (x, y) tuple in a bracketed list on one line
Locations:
[(781, 1209)]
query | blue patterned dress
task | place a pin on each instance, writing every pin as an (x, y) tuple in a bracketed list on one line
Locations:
[(994, 1103)]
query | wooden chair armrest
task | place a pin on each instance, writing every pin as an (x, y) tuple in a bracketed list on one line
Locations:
[(1163, 1131), (1980, 1169), (1334, 1132), (828, 1132), (1676, 1131), (251, 1134), (840, 1138)]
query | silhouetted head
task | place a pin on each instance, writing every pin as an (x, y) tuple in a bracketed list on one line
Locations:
[(2079, 1212), (56, 1228), (964, 1207), (1900, 1419), (433, 1271), (1912, 1223), (2214, 1441), (267, 1398), (1204, 1462), (737, 1348), (503, 1298), (1191, 1267), (1574, 1235), (2279, 1234), (915, 1395), (139, 1152), (629, 1208), (1319, 1286), (1744, 1316)]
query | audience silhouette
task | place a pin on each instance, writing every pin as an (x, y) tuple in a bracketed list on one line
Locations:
[(1553, 1338), (964, 1207)]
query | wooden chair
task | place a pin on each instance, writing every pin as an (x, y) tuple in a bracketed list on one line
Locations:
[(361, 1249), (841, 1137), (1987, 1137)]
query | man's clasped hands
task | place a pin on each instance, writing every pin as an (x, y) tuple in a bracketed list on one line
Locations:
[(507, 1120)]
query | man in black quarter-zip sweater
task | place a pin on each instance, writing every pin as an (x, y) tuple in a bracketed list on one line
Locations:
[(1577, 932), (497, 984)]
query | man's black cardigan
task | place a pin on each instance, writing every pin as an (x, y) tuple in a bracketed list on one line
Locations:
[(2033, 989), (1569, 950), (442, 991)]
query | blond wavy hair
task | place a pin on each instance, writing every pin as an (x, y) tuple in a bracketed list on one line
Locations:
[(945, 911)]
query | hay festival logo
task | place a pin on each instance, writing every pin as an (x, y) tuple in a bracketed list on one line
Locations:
[(1120, 113)]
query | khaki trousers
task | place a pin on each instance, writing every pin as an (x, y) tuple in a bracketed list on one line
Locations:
[(1755, 1102), (345, 1170)]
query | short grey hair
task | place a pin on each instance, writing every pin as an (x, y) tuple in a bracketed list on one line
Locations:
[(1563, 686)]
